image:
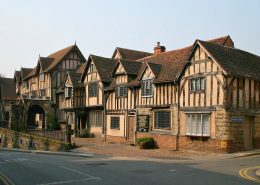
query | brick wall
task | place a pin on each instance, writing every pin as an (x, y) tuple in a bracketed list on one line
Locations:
[(116, 139), (164, 141)]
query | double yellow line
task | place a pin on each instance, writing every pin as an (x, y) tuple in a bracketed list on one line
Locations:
[(243, 173), (5, 179)]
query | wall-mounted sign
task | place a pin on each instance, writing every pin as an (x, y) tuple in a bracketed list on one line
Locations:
[(237, 119), (143, 123)]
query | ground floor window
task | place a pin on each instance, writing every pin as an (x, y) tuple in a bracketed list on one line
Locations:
[(114, 122), (95, 118), (198, 124), (162, 119)]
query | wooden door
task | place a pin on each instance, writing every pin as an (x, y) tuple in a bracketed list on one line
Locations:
[(131, 126), (248, 138)]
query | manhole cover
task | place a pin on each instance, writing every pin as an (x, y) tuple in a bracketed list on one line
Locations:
[(96, 164), (142, 171)]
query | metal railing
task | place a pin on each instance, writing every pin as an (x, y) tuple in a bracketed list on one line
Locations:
[(50, 134)]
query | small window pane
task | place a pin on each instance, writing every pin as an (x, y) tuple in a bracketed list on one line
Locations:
[(162, 119), (114, 123)]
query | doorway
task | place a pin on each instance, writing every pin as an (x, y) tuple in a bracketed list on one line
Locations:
[(131, 126), (248, 132)]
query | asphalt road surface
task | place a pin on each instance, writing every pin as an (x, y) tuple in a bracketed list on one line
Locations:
[(40, 169)]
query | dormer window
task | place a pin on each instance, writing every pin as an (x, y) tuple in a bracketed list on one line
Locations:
[(147, 87), (92, 68), (197, 84)]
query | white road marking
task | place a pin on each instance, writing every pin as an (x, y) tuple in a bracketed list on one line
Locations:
[(68, 181), (79, 172)]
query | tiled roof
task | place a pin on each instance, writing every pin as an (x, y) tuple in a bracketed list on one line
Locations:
[(58, 56), (173, 62), (234, 62), (104, 67), (8, 89), (45, 62), (131, 67), (75, 79), (25, 72), (130, 54)]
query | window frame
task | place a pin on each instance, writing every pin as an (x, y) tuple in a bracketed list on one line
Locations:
[(92, 68), (144, 89), (157, 126), (124, 91), (41, 77), (111, 122), (68, 92), (91, 91), (198, 130), (194, 86)]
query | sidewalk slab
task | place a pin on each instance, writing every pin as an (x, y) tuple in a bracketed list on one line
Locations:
[(72, 154)]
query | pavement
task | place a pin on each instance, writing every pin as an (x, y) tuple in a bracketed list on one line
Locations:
[(92, 147)]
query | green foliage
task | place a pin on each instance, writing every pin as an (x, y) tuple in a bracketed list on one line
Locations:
[(16, 140), (146, 143), (52, 122), (85, 133)]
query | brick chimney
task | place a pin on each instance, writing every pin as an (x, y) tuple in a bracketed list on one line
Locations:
[(159, 49)]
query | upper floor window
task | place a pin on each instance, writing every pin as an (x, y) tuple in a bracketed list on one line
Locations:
[(198, 124), (147, 87), (92, 89), (92, 68), (121, 91), (197, 84), (41, 77), (68, 92), (162, 119)]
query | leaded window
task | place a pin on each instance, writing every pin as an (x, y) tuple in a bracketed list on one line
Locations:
[(146, 87), (68, 92), (92, 89), (114, 122), (121, 91), (162, 119), (197, 84), (198, 124)]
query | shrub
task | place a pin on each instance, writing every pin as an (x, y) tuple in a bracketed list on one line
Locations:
[(85, 133), (146, 143), (52, 122)]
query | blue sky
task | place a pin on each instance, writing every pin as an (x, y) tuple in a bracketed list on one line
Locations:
[(29, 28)]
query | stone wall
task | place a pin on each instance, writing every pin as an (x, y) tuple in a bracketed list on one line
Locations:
[(13, 139), (256, 132)]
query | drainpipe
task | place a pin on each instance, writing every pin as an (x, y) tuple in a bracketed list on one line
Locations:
[(104, 114), (178, 113), (136, 118)]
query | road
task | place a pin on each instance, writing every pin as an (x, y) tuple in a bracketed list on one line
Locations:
[(41, 169)]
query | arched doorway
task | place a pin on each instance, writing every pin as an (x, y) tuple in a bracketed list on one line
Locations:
[(36, 117)]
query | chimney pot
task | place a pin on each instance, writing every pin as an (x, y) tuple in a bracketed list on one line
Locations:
[(159, 49)]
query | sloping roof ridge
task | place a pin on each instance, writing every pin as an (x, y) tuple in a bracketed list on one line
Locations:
[(133, 50), (231, 48), (68, 47)]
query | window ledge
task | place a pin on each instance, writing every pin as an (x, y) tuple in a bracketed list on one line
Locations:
[(194, 137), (162, 132)]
